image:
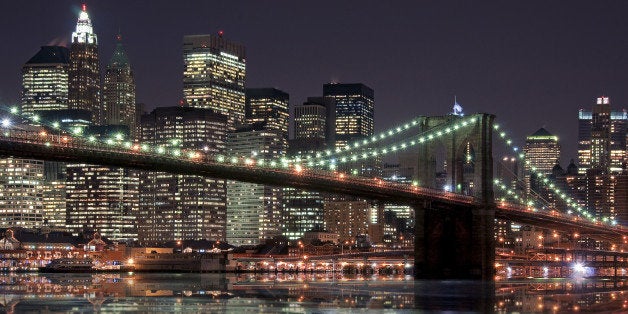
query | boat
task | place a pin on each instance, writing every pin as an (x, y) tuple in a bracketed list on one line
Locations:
[(68, 265)]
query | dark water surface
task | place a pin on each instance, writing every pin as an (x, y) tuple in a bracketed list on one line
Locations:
[(302, 293)]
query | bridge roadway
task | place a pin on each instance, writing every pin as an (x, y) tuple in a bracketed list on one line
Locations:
[(44, 146)]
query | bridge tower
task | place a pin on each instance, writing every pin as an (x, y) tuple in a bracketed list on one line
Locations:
[(456, 241)]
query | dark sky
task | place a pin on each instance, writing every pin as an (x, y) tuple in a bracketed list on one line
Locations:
[(531, 63)]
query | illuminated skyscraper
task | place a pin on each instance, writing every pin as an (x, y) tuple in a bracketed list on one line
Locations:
[(313, 131), (45, 80), (254, 210), (214, 70), (182, 207), (119, 90), (84, 74), (269, 106), (602, 137), (541, 153), (354, 111)]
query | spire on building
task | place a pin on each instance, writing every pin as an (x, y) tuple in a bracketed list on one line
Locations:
[(119, 58), (84, 31)]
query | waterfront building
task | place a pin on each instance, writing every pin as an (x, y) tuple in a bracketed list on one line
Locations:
[(45, 80), (182, 207), (214, 71), (119, 90), (100, 198), (21, 188), (347, 219), (254, 210), (84, 72)]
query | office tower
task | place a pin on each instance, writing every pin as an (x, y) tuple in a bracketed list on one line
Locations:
[(214, 70), (269, 106), (354, 122), (354, 111), (119, 90), (45, 80), (182, 207), (53, 204), (602, 137), (84, 74), (314, 127), (100, 198), (254, 210), (541, 153), (21, 186)]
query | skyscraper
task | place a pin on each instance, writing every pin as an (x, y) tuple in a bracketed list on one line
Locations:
[(182, 207), (45, 80), (541, 153), (314, 125), (269, 106), (119, 90), (602, 137), (254, 210), (354, 111), (84, 73), (214, 71)]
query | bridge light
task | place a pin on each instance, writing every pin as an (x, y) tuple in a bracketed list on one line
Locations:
[(176, 152), (42, 133), (162, 150), (92, 138), (55, 125), (234, 160), (298, 168), (260, 162), (6, 122), (14, 110), (35, 118), (144, 147), (47, 144), (128, 144), (77, 130), (248, 161)]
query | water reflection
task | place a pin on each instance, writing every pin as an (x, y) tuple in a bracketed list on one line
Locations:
[(297, 293)]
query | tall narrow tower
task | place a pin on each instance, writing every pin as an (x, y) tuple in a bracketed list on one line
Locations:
[(119, 90), (84, 73)]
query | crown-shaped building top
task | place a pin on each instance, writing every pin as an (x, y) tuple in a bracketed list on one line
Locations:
[(84, 33)]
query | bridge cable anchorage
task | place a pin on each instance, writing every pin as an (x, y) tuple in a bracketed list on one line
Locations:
[(553, 187), (365, 152)]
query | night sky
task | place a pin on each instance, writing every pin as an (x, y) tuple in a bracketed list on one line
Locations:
[(531, 63)]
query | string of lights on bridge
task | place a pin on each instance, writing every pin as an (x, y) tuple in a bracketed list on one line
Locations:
[(546, 181), (345, 155), (348, 154), (297, 162)]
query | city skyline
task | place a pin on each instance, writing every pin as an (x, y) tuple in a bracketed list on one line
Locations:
[(483, 53)]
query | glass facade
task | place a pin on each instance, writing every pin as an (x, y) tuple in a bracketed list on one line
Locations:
[(45, 80), (542, 151)]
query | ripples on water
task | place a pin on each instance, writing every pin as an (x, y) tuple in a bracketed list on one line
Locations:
[(302, 293)]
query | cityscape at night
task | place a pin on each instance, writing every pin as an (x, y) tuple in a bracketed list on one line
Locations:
[(210, 156)]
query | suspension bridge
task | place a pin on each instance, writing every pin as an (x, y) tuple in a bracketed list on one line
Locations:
[(454, 229)]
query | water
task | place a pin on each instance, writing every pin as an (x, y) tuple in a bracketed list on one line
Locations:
[(302, 293)]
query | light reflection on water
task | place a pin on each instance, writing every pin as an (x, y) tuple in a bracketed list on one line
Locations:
[(297, 293)]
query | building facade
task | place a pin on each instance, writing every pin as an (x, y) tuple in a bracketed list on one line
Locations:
[(21, 188), (119, 90), (254, 210), (182, 207), (541, 152), (269, 106), (214, 71), (84, 72), (602, 137), (45, 80)]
